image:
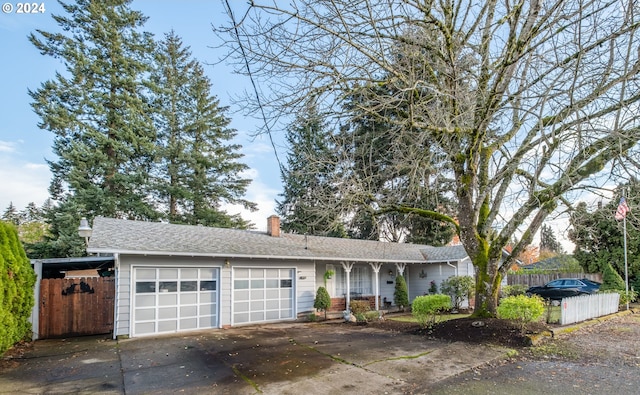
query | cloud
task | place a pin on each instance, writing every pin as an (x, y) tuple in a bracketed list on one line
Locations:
[(261, 194), (7, 146), (22, 182)]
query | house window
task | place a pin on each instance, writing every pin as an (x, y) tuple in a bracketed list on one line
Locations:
[(359, 279)]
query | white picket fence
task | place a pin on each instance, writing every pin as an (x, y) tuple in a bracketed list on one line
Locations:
[(582, 308)]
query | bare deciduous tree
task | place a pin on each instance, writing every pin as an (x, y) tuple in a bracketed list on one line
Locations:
[(527, 102)]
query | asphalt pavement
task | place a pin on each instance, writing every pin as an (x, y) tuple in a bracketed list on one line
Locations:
[(286, 358)]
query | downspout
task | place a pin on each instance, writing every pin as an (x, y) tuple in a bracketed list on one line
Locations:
[(116, 272), (455, 268)]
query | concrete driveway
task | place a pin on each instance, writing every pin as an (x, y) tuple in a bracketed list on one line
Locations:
[(288, 358)]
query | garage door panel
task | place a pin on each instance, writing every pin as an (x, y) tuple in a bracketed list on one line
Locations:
[(146, 314), (168, 300), (146, 300), (188, 323), (167, 326), (174, 299), (145, 327), (269, 295), (188, 311), (273, 315), (169, 274), (167, 312)]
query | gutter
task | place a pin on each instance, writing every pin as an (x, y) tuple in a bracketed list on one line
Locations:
[(246, 256)]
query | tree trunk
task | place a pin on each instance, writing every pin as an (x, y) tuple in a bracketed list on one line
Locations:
[(488, 279)]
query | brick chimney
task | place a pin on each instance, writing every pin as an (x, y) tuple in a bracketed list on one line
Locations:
[(273, 226)]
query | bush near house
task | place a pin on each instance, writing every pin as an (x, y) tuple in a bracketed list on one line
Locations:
[(425, 309), (16, 289), (401, 293), (322, 301), (459, 288)]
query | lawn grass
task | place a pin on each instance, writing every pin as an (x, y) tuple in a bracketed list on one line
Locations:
[(410, 318)]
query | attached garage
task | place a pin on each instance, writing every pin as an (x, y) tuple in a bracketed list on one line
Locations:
[(174, 299), (263, 294)]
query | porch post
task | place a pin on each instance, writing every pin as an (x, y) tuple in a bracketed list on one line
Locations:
[(347, 266), (401, 266), (376, 269)]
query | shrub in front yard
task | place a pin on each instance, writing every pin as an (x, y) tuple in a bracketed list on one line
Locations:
[(359, 307), (426, 308), (322, 301), (401, 293), (521, 308), (16, 289), (459, 288)]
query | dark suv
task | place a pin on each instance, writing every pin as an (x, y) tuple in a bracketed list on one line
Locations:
[(564, 288)]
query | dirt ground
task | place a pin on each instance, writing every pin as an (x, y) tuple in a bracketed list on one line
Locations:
[(470, 330)]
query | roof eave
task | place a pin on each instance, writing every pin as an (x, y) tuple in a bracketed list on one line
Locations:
[(246, 256)]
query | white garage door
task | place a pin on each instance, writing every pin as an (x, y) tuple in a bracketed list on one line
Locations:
[(262, 294), (174, 299)]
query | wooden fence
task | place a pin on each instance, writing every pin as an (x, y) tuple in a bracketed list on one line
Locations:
[(541, 279), (76, 306)]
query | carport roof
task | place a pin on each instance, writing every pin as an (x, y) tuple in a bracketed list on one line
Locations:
[(156, 238)]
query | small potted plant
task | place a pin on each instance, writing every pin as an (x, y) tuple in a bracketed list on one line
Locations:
[(433, 288)]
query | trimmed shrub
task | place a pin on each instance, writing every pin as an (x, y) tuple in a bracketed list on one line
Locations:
[(611, 279), (322, 301), (16, 292), (359, 307), (401, 294), (426, 308), (521, 308), (459, 288)]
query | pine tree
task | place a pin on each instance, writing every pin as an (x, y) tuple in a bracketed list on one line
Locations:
[(11, 214), (196, 168), (548, 241), (98, 110), (308, 197)]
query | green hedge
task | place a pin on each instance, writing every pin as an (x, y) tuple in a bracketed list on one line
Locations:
[(426, 308), (16, 289)]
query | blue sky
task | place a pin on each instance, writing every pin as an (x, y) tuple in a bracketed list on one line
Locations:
[(24, 174)]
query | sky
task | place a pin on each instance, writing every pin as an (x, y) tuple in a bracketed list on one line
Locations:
[(25, 148)]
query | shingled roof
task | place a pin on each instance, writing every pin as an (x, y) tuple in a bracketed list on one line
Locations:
[(156, 238)]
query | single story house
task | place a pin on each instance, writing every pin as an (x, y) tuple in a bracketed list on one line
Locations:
[(172, 278)]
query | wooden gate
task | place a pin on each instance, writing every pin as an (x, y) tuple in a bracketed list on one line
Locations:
[(76, 306)]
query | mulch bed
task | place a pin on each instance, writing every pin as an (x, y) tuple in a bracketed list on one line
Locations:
[(470, 330)]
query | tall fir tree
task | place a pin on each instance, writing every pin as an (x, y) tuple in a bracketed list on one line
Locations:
[(308, 196), (197, 168), (98, 111), (548, 241)]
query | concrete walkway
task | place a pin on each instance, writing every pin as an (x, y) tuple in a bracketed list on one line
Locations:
[(290, 358)]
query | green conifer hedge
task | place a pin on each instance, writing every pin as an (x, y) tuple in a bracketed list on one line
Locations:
[(16, 288)]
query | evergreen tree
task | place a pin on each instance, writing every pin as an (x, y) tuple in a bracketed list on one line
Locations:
[(11, 214), (98, 110), (309, 199), (401, 293), (322, 301), (196, 169), (16, 291), (599, 237), (548, 241)]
